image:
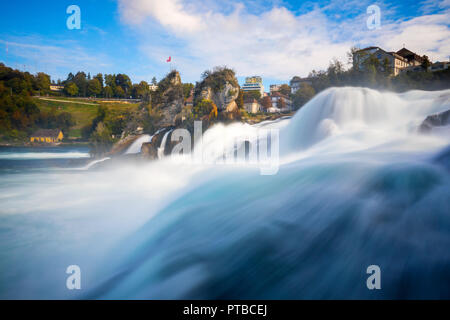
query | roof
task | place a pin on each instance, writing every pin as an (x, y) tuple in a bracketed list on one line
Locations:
[(392, 53), (52, 133), (409, 55), (278, 94), (397, 56), (368, 48)]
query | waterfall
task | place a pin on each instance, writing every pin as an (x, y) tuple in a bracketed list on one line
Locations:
[(136, 146), (93, 163), (163, 144), (360, 116), (358, 185)]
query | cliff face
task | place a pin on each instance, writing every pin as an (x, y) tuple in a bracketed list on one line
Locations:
[(168, 99), (219, 86), (167, 102)]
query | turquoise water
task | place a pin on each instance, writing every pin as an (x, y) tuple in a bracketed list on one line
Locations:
[(357, 186), (25, 158)]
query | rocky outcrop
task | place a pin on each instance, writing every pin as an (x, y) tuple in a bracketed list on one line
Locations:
[(150, 150), (166, 105), (224, 99), (122, 145), (221, 87), (169, 99), (435, 120)]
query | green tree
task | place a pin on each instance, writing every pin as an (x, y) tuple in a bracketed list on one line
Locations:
[(119, 93), (94, 87), (303, 95), (71, 89), (70, 77), (99, 77), (110, 80), (187, 87), (43, 82), (285, 90), (140, 91), (123, 81), (100, 140), (65, 121), (204, 108), (240, 99), (108, 92), (81, 81), (252, 95), (426, 63)]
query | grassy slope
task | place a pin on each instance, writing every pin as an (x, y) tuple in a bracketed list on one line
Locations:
[(82, 113)]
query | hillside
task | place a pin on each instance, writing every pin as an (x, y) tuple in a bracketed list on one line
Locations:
[(82, 110)]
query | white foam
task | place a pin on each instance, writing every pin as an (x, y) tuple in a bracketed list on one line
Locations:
[(43, 155)]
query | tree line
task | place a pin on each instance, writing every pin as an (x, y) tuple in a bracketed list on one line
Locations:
[(19, 114), (105, 86)]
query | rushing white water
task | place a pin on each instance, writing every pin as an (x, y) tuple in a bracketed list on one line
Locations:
[(358, 185), (93, 163), (43, 155), (163, 144), (136, 146), (361, 117)]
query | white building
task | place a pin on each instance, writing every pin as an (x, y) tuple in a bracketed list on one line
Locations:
[(56, 87), (273, 110), (253, 84), (152, 87), (280, 99), (296, 83), (252, 105), (397, 61), (274, 88), (438, 66)]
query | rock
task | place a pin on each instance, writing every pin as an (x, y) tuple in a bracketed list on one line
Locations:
[(170, 112), (169, 99), (122, 145), (435, 120), (149, 150), (221, 87)]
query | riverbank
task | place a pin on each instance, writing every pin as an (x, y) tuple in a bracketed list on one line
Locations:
[(246, 118), (42, 145)]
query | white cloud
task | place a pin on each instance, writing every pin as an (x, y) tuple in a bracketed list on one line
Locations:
[(275, 43), (170, 14), (428, 35), (54, 57)]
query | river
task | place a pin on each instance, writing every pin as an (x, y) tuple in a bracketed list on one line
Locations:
[(357, 185)]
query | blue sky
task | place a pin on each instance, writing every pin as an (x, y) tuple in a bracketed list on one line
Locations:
[(273, 39)]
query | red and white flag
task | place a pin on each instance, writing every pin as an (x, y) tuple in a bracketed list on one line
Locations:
[(170, 59)]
